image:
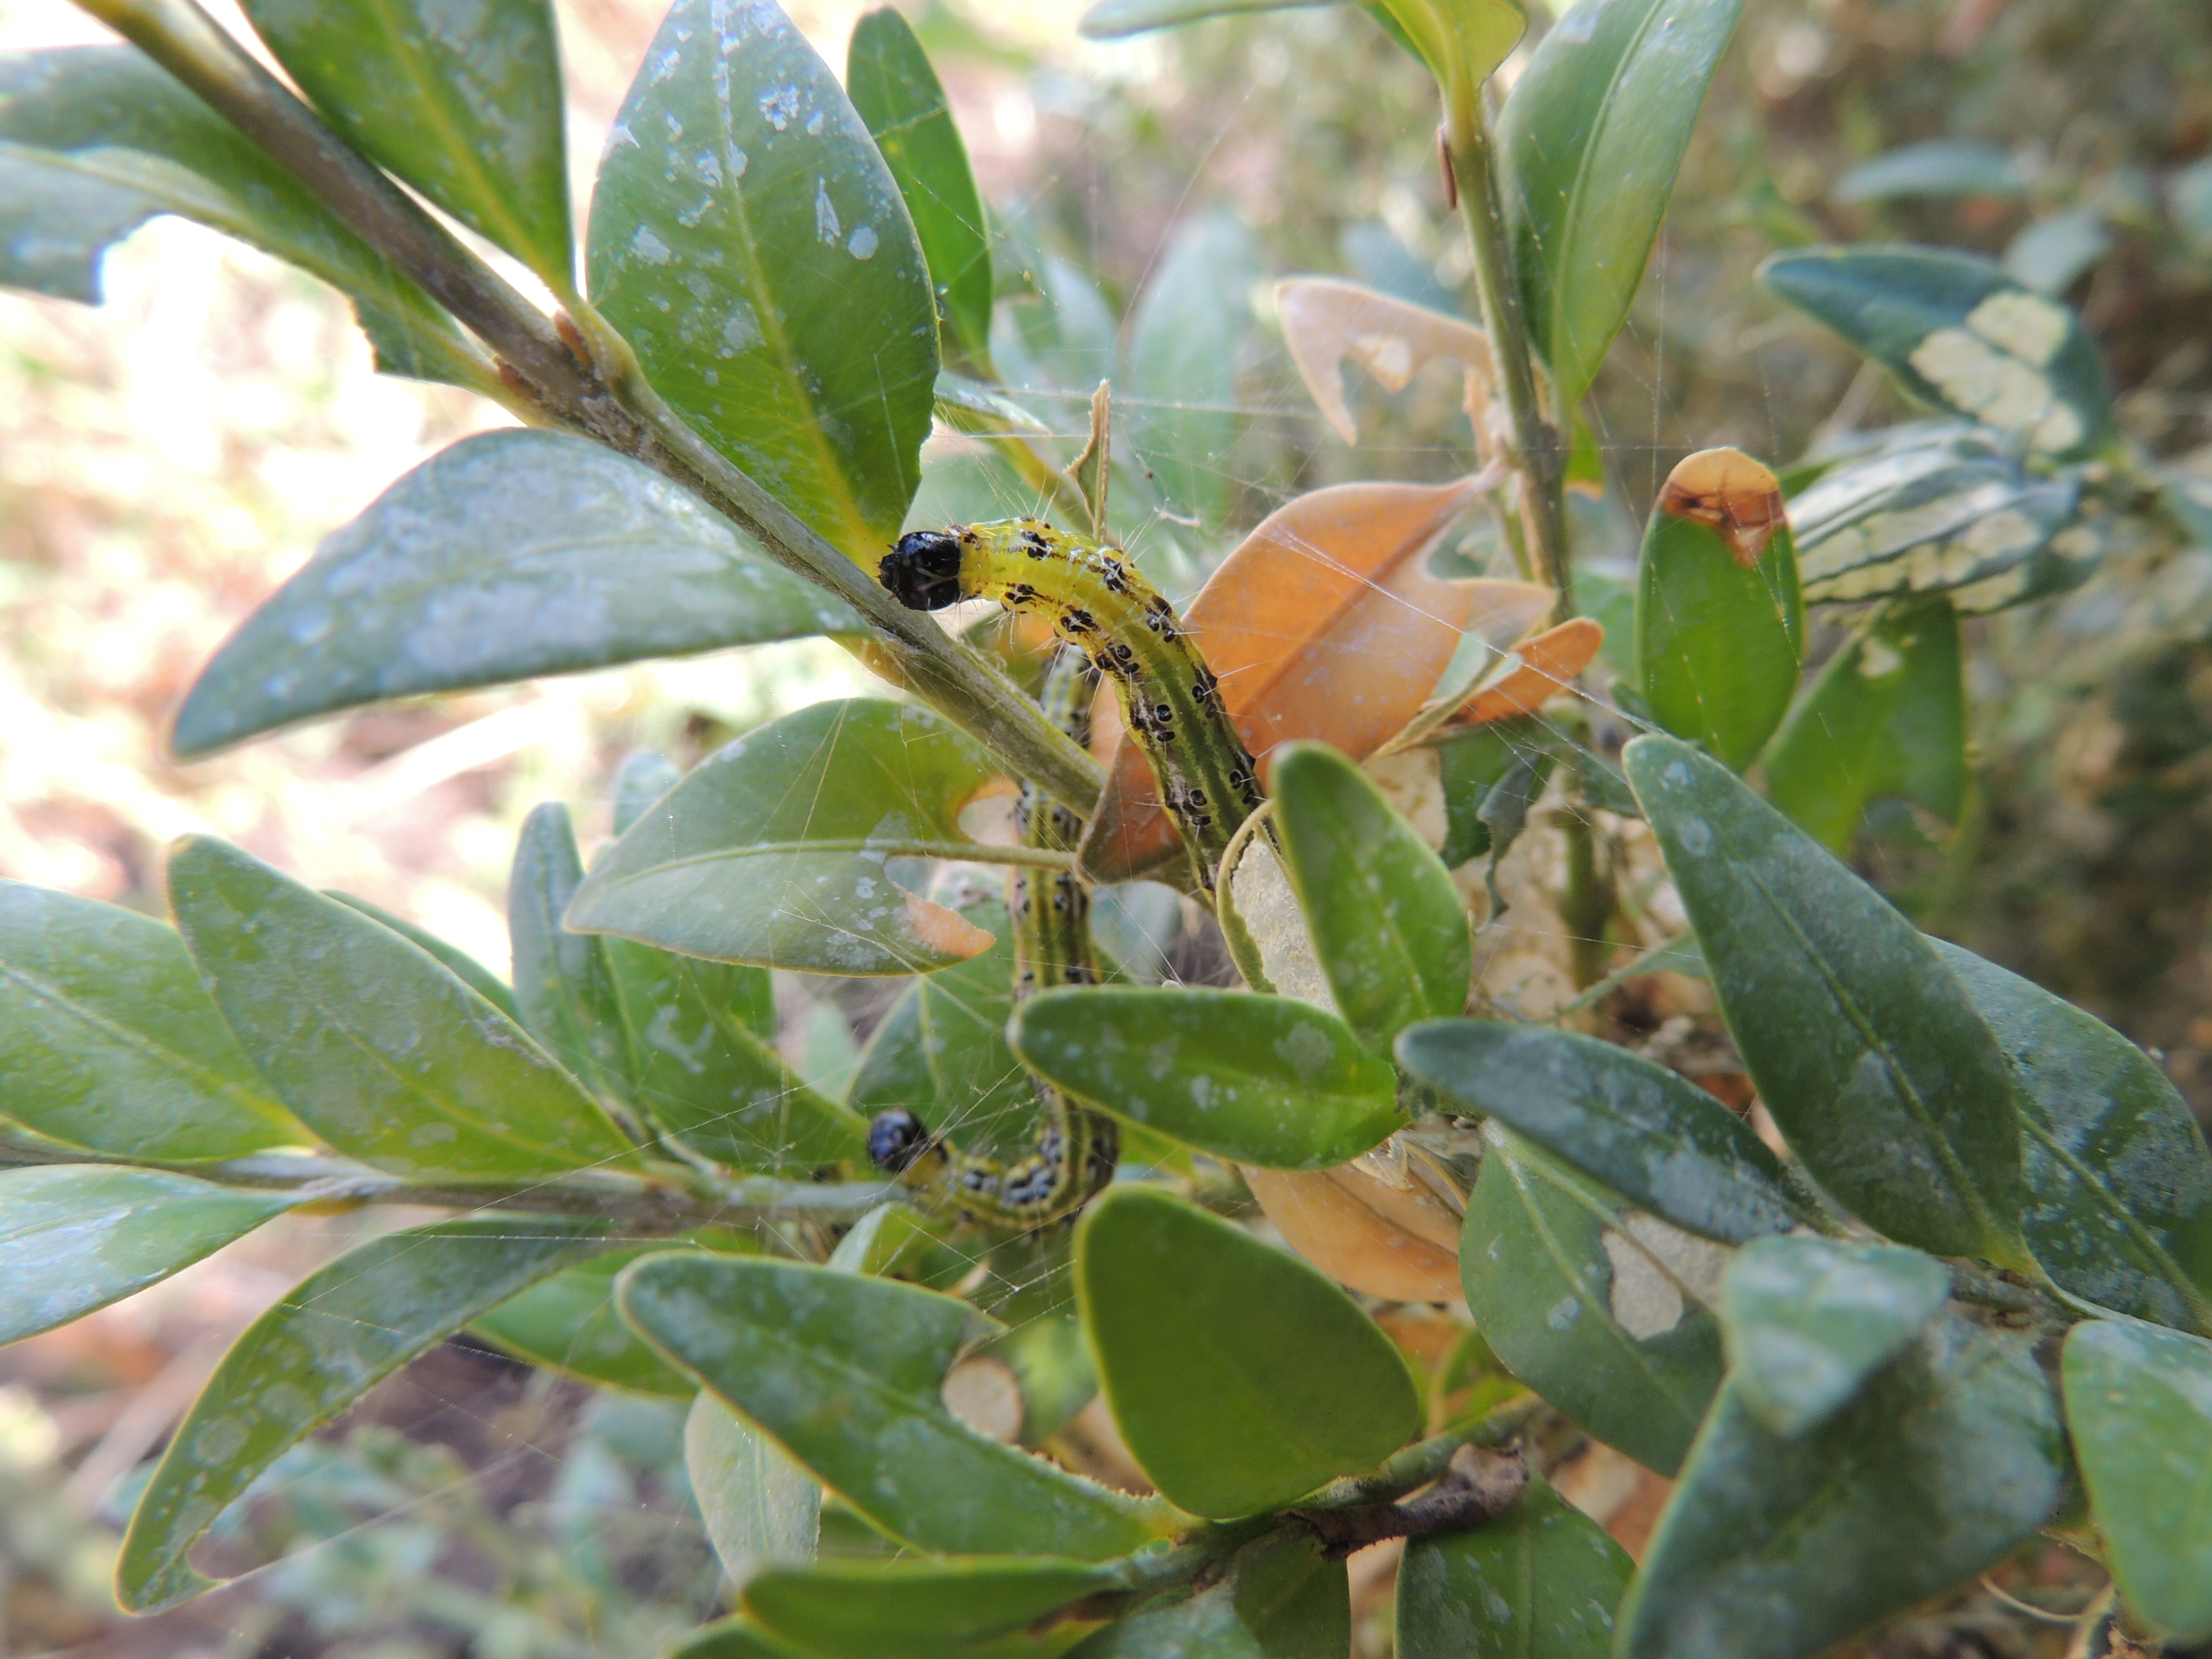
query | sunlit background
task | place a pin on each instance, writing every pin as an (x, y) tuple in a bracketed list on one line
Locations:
[(167, 459)]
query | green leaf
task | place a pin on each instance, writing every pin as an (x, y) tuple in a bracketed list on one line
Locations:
[(914, 1609), (1181, 403), (1540, 1581), (563, 982), (1508, 759), (773, 851), (337, 1334), (892, 84), (845, 1372), (1861, 1043), (1460, 40), (1387, 923), (1241, 1377), (1774, 1549), (762, 1509), (2139, 1403), (1258, 1079), (1960, 334), (569, 1322), (76, 1236), (893, 1242), (1654, 1138), (640, 780), (2119, 1181), (733, 1639), (1111, 19), (1590, 141), (701, 1068), (372, 1044), (108, 1042), (466, 108), (510, 555), (941, 1051), (1720, 626), (1278, 1599), (119, 126), (1600, 1311), (1933, 167), (1887, 719), (748, 240), (463, 966), (1808, 1319)]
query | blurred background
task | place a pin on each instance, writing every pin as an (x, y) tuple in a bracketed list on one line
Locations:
[(167, 459)]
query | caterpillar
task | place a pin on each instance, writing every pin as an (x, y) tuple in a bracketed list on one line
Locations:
[(1076, 1149), (1097, 602)]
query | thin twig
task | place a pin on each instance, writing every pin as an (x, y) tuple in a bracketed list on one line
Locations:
[(1479, 1486)]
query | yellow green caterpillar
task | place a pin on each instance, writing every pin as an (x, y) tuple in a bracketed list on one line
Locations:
[(1097, 602), (1076, 1149)]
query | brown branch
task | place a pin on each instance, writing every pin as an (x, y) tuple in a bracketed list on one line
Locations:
[(1479, 1484)]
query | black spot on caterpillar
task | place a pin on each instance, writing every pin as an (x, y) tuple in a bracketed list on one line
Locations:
[(1076, 1149), (1170, 700)]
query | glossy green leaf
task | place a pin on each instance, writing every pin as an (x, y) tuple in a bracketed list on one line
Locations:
[(463, 966), (1808, 1319), (1960, 334), (335, 1335), (1388, 925), (372, 1044), (1862, 1044), (76, 1236), (1111, 19), (1260, 1079), (762, 1509), (773, 851), (1241, 1377), (1652, 1136), (914, 1609), (569, 1322), (118, 127), (845, 1372), (1277, 1599), (1602, 1311), (733, 1639), (892, 85), (1539, 1582), (1774, 1549), (1590, 142), (563, 982), (700, 1067), (1954, 511), (1885, 721), (1718, 642), (465, 107), (644, 776), (1177, 395), (510, 555), (108, 1042), (2119, 1181), (748, 238), (2139, 1405)]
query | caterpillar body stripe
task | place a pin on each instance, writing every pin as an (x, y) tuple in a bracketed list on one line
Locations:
[(1097, 602), (1076, 1149)]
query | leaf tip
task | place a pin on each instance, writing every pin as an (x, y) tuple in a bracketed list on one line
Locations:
[(1729, 493)]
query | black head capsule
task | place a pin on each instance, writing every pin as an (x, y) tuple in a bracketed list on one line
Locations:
[(923, 570), (895, 1140)]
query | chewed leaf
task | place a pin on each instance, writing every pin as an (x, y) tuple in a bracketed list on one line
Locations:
[(1323, 624), (1961, 334), (1549, 664), (1328, 323)]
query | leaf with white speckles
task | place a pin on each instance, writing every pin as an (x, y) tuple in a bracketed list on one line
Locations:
[(339, 1333), (1540, 1581), (749, 240), (508, 555), (374, 1044)]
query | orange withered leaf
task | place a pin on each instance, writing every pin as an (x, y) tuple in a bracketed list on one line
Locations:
[(1549, 664), (1326, 323), (1398, 1242), (1324, 624)]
